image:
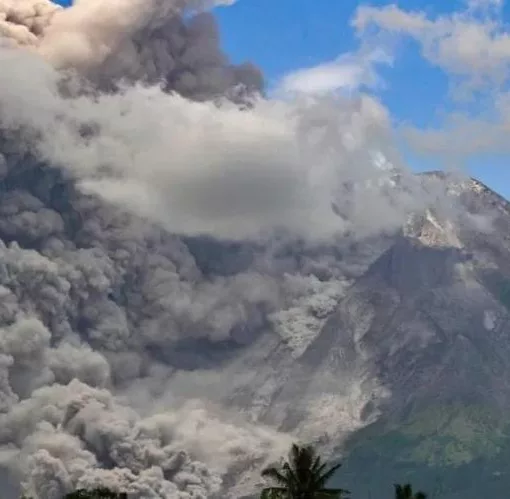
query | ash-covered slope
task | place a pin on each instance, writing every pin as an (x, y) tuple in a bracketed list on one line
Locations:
[(431, 312), (424, 324), (431, 319)]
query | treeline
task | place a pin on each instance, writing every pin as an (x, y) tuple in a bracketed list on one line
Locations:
[(303, 475)]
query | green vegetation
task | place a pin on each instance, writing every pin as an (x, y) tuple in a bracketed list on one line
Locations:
[(303, 476), (447, 436), (499, 286), (456, 451), (406, 492)]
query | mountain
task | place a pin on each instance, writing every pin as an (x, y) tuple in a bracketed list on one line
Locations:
[(193, 276), (432, 314), (413, 361), (161, 364)]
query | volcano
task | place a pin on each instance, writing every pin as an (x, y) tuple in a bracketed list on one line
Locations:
[(389, 351), (431, 315)]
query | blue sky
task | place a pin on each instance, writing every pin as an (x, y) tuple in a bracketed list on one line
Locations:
[(281, 36)]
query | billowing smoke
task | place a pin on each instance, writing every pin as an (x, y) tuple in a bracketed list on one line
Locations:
[(92, 301), (171, 243), (76, 435), (132, 40), (208, 168), (23, 23)]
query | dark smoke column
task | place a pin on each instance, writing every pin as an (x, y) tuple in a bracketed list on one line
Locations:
[(182, 56)]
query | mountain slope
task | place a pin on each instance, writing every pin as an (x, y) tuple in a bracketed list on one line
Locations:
[(409, 376), (435, 311), (416, 351)]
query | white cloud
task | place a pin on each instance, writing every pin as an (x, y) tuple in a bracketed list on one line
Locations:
[(474, 5), (472, 44), (472, 48), (346, 73), (207, 168)]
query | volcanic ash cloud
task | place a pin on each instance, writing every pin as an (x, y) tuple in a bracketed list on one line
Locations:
[(156, 209)]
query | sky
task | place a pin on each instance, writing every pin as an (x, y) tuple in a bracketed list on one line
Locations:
[(425, 74), (306, 33)]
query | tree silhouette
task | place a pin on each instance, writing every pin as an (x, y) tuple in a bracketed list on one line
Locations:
[(303, 476), (406, 492), (98, 493)]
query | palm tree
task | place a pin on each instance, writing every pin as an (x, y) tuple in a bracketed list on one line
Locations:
[(406, 492), (303, 476)]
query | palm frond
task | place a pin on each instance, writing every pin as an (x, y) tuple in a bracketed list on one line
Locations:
[(405, 491), (304, 474), (273, 493), (318, 464), (331, 493), (302, 456), (276, 475), (325, 477), (294, 453), (292, 479)]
